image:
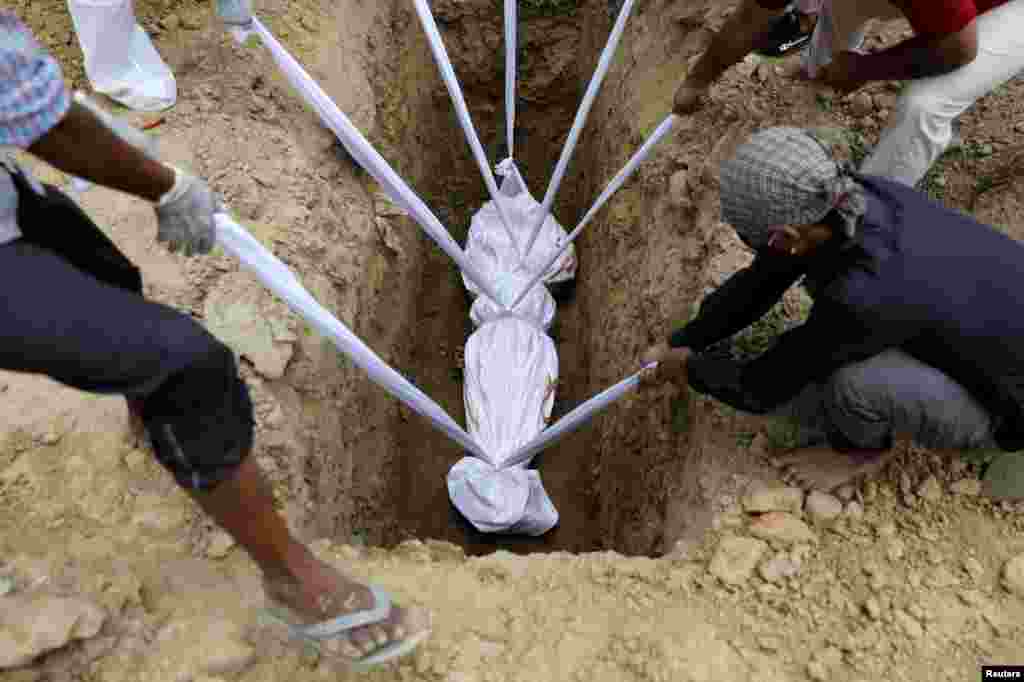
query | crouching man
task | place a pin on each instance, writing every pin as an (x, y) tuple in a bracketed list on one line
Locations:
[(917, 327), (72, 309)]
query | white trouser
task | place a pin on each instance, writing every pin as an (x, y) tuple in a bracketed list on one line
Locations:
[(921, 126)]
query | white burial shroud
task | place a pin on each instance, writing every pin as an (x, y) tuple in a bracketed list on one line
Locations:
[(511, 370)]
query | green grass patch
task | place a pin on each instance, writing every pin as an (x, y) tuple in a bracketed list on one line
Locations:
[(984, 184), (759, 337), (783, 435), (934, 182), (857, 144)]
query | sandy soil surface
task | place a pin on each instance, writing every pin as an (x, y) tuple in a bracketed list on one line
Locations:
[(108, 573)]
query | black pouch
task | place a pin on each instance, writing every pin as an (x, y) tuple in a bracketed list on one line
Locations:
[(54, 222)]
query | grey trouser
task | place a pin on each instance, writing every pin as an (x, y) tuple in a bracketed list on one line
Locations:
[(890, 396)]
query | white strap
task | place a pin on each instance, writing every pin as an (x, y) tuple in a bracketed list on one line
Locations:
[(661, 131), (363, 152), (277, 277), (581, 119), (575, 419), (451, 82), (511, 47)]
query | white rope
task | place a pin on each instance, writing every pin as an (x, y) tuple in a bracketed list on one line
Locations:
[(661, 131), (277, 277), (451, 82), (575, 419), (581, 119), (363, 152), (511, 45)]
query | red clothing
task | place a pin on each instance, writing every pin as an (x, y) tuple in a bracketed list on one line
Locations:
[(928, 17), (939, 17)]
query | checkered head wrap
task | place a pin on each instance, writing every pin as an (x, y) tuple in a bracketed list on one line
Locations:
[(787, 176)]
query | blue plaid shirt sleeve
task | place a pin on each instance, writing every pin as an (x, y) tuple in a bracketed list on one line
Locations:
[(33, 98)]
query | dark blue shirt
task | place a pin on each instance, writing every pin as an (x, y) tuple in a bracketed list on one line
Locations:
[(920, 277)]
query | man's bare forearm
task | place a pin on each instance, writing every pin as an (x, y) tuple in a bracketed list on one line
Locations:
[(741, 33), (83, 146), (918, 57)]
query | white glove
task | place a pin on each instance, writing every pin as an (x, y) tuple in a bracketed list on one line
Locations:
[(235, 12), (185, 215)]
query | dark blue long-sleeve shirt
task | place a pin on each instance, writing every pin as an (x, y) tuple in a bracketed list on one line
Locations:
[(920, 277)]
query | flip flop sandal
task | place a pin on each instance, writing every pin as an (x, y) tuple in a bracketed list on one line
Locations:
[(318, 632)]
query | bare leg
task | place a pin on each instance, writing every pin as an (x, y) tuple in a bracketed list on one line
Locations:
[(822, 468), (293, 576)]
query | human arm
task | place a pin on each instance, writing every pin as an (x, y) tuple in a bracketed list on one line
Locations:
[(740, 301), (37, 114), (944, 43), (81, 145), (741, 33), (831, 338)]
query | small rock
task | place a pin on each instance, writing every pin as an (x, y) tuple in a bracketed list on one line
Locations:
[(32, 626), (769, 643), (909, 624), (972, 598), (777, 568), (220, 544), (204, 647), (171, 22), (861, 104), (968, 487), (873, 608), (896, 549), (763, 498), (760, 446), (1013, 575), (822, 507), (885, 100), (782, 528), (846, 493), (51, 438), (930, 490), (820, 667), (887, 530), (191, 22), (854, 509), (135, 460), (679, 189), (973, 568), (906, 486), (735, 559), (870, 491)]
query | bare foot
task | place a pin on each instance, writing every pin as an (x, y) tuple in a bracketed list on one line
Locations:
[(324, 593), (825, 469)]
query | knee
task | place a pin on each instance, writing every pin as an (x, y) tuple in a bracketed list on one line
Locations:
[(856, 409), (923, 105), (201, 421), (848, 388)]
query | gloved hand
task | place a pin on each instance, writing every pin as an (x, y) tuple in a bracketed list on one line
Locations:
[(235, 12), (185, 215)]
